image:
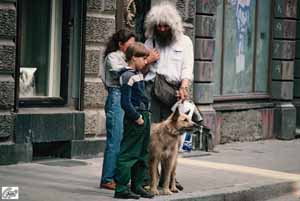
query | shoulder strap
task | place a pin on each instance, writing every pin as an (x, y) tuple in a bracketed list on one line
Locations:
[(153, 43)]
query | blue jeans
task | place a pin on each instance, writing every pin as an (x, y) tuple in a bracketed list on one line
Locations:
[(114, 133)]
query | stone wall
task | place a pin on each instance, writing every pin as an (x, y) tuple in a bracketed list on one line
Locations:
[(100, 24), (283, 62), (249, 125), (7, 69), (205, 39), (204, 51), (187, 10), (240, 124)]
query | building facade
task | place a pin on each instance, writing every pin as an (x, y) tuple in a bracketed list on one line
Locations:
[(247, 73)]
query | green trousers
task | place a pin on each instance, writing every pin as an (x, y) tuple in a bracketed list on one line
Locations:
[(133, 158)]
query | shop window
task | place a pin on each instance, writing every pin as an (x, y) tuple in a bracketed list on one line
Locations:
[(242, 49), (44, 32)]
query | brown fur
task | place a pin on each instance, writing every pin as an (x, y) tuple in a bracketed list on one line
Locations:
[(164, 142)]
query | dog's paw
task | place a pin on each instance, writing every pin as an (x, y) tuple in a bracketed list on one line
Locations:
[(174, 190), (167, 192), (154, 191)]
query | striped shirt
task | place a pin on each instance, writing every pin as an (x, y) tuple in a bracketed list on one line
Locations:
[(133, 98)]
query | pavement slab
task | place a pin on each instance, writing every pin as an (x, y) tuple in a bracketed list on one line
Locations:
[(248, 171), (289, 197)]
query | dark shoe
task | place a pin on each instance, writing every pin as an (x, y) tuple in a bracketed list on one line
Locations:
[(126, 195), (178, 186), (109, 185), (143, 193)]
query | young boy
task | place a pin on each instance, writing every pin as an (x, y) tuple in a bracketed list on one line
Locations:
[(133, 157)]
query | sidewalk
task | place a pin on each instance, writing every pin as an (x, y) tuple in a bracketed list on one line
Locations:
[(247, 171)]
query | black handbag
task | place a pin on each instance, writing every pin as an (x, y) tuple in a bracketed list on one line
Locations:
[(164, 91)]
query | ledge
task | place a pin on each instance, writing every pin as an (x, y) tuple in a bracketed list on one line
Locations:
[(296, 102), (49, 110), (236, 106), (38, 125)]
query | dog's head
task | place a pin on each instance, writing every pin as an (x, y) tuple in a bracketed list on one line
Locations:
[(181, 122)]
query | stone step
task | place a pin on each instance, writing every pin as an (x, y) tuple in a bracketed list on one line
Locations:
[(288, 197), (297, 133), (12, 153), (246, 193)]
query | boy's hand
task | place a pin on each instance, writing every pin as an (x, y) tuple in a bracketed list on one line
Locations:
[(140, 121)]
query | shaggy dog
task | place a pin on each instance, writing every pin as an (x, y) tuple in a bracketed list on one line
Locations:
[(163, 148)]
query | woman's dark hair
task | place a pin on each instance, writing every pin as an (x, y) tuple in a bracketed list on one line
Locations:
[(121, 36)]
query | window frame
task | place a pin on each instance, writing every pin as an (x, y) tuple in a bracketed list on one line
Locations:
[(252, 95), (67, 22)]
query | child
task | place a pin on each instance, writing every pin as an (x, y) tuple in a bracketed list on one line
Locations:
[(133, 158), (114, 60)]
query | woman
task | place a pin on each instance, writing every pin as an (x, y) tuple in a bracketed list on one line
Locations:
[(114, 61)]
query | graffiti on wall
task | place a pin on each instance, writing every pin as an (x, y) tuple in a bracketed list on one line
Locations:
[(242, 14)]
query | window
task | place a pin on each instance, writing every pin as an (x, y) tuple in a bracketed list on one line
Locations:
[(242, 48), (43, 42)]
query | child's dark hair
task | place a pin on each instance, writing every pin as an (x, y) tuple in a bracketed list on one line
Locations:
[(136, 49), (122, 36)]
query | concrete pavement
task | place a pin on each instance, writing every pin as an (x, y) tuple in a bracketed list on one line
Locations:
[(289, 197), (247, 171)]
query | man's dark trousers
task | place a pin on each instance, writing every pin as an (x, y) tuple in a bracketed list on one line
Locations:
[(133, 158)]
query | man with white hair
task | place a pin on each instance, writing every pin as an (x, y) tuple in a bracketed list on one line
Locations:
[(165, 34)]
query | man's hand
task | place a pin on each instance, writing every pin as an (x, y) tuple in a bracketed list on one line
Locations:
[(140, 121), (183, 92), (153, 56)]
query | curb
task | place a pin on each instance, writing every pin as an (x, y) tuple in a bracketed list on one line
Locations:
[(238, 193)]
